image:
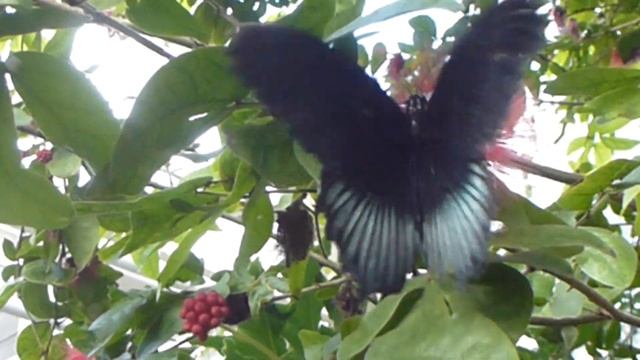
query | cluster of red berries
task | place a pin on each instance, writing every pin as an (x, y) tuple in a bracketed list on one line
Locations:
[(44, 156), (203, 312)]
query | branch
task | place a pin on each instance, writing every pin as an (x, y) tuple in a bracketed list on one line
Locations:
[(607, 307), (31, 131), (325, 262), (100, 18), (547, 172), (568, 321), (323, 285)]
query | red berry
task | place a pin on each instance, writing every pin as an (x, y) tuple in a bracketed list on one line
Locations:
[(201, 297), (203, 319), (44, 156), (212, 298), (202, 337), (224, 311), (186, 326), (200, 307), (214, 322), (188, 304), (183, 313), (197, 329), (215, 311), (190, 316)]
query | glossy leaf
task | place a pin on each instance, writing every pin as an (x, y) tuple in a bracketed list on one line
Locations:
[(592, 81), (35, 299), (622, 101), (548, 236), (74, 115), (617, 271), (64, 163), (311, 16), (501, 294), (28, 199), (388, 311), (258, 223), (164, 18), (81, 238), (313, 343), (181, 254), (196, 83), (469, 334), (35, 342), (267, 146), (580, 196), (116, 319)]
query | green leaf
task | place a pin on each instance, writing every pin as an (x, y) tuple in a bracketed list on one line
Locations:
[(74, 115), (397, 8), (622, 101), (165, 18), (311, 16), (61, 44), (378, 56), (314, 344), (196, 83), (266, 145), (161, 331), (616, 143), (159, 216), (308, 161), (593, 81), (81, 238), (35, 343), (114, 320), (41, 272), (617, 271), (541, 259), (27, 198), (503, 295), (580, 196), (388, 312), (28, 20), (257, 218), (346, 12), (7, 292), (606, 125), (548, 236), (217, 26), (181, 254), (461, 333), (565, 302), (64, 163), (35, 299)]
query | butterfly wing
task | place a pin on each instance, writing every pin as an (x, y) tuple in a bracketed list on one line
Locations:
[(464, 115), (360, 135)]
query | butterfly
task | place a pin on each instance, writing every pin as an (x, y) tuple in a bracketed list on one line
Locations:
[(397, 185)]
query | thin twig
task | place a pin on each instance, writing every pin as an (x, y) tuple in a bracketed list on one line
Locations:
[(568, 321), (31, 131), (101, 18), (323, 285), (544, 171), (325, 262), (607, 307)]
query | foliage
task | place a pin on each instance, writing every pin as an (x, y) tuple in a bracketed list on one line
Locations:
[(565, 276)]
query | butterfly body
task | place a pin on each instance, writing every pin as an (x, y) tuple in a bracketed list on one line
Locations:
[(397, 185)]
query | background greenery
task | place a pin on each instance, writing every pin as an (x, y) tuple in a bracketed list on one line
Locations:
[(565, 276)]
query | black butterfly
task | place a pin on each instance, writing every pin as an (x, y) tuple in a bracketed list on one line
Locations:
[(394, 186)]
